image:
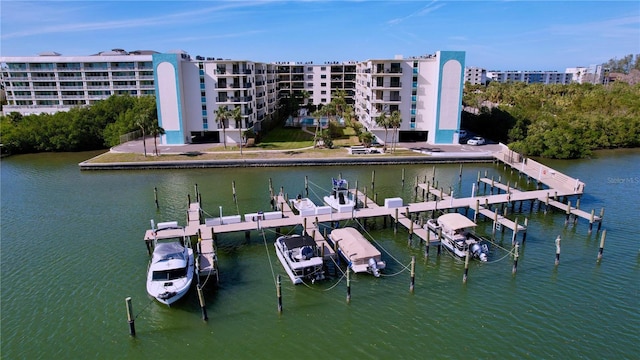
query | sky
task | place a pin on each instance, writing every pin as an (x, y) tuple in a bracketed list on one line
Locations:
[(496, 35)]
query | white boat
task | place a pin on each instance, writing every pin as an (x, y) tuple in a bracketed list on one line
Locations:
[(340, 199), (457, 237), (300, 258), (360, 254), (304, 206), (171, 268)]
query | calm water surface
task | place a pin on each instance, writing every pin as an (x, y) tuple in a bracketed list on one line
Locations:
[(72, 250)]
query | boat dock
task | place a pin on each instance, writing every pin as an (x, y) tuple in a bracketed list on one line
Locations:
[(409, 215)]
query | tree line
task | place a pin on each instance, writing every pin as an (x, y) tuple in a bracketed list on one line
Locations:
[(93, 127), (555, 121)]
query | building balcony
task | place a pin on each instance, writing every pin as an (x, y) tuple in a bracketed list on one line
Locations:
[(387, 99), (92, 78)]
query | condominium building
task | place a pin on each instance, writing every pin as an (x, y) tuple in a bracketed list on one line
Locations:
[(530, 77), (316, 83), (592, 74), (426, 90), (50, 82), (475, 76), (189, 92)]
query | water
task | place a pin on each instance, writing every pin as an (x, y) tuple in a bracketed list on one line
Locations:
[(72, 250)]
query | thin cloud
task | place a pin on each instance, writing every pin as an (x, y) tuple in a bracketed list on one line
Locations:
[(130, 23), (427, 9)]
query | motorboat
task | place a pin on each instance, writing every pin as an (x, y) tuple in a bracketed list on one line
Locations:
[(457, 236), (304, 205), (340, 199), (171, 267), (300, 257), (359, 253)]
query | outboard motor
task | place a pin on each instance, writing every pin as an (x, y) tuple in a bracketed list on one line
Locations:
[(478, 252), (373, 266)]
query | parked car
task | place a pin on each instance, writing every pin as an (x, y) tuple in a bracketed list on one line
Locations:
[(463, 134), (476, 140)]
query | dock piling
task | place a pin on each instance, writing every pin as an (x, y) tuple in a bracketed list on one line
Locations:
[(466, 268), (413, 274), (426, 244), (279, 294), (202, 304), (601, 249), (130, 317), (515, 259), (233, 189), (306, 186), (155, 197), (373, 180), (558, 250), (348, 285)]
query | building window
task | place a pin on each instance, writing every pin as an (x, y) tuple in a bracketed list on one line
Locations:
[(323, 84), (323, 76), (323, 92)]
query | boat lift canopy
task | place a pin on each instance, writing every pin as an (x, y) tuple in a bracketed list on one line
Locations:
[(455, 221)]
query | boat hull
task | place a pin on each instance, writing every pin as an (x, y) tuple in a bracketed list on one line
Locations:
[(171, 290), (357, 251), (299, 269), (458, 241)]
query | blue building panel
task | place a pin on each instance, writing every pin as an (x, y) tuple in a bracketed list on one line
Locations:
[(445, 136), (173, 137)]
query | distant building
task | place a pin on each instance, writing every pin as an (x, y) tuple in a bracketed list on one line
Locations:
[(50, 82), (475, 76), (592, 74), (530, 77)]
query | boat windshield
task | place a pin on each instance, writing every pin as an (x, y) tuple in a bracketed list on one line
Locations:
[(171, 274), (168, 251)]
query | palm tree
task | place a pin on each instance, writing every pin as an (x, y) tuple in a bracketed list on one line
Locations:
[(156, 130), (222, 115), (394, 122), (236, 115), (141, 119), (317, 115), (383, 120)]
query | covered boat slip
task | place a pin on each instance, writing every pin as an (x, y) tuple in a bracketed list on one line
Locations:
[(454, 221), (355, 248)]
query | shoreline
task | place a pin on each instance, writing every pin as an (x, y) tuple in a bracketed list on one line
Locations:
[(284, 162), (415, 154)]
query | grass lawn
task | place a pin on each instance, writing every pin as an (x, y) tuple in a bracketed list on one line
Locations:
[(278, 139), (285, 138)]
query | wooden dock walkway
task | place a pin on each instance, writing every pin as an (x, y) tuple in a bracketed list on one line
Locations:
[(558, 185)]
